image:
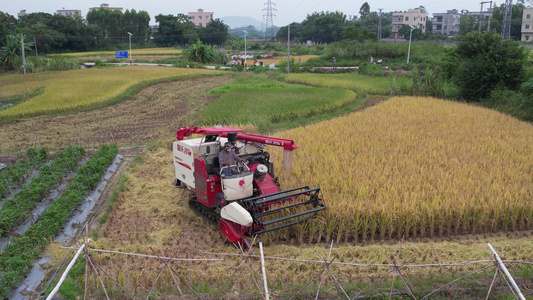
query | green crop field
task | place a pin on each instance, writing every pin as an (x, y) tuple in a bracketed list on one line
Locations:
[(82, 89), (271, 102)]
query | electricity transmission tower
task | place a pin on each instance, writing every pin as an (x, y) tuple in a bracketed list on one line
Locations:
[(507, 15), (379, 23), (269, 18)]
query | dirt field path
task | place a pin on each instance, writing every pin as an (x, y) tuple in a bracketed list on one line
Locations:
[(151, 114)]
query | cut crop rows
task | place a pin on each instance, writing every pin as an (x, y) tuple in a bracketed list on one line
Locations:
[(16, 260)]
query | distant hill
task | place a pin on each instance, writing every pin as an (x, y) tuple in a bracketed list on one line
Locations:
[(236, 21)]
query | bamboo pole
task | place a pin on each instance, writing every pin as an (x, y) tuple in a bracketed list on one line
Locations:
[(64, 276), (506, 272), (263, 269)]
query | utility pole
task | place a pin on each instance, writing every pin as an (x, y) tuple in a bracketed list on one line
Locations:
[(379, 23), (288, 48), (35, 43), (269, 16), (507, 15), (480, 20), (490, 15), (481, 15), (23, 56)]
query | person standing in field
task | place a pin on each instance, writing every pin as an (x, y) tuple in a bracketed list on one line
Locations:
[(225, 61), (334, 63)]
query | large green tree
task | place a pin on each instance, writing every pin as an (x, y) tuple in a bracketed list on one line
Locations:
[(7, 26), (323, 27), (112, 26), (483, 62), (364, 10), (175, 30), (214, 33)]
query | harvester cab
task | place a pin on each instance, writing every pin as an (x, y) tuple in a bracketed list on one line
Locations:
[(246, 203)]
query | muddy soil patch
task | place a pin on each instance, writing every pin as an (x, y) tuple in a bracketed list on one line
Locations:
[(151, 114)]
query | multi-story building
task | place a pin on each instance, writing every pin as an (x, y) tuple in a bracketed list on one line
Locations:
[(446, 23), (201, 18), (414, 17), (22, 13), (106, 6), (527, 25), (69, 12)]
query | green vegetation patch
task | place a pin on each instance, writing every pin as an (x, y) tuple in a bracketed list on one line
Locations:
[(352, 81), (16, 259), (263, 102)]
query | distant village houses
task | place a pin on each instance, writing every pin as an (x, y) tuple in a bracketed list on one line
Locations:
[(201, 18), (69, 12), (106, 6)]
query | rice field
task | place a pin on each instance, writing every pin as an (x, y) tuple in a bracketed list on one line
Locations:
[(352, 81), (82, 89), (146, 51), (414, 167)]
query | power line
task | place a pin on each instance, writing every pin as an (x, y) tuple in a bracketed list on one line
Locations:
[(269, 17), (507, 15)]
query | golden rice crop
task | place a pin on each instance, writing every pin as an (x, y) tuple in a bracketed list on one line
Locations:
[(415, 167), (352, 81), (79, 89)]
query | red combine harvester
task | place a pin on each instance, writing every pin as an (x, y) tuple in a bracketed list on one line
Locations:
[(248, 203)]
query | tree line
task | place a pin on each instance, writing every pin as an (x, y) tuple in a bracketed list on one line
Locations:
[(328, 27), (104, 29)]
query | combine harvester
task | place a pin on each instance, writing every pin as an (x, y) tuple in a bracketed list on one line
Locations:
[(248, 203)]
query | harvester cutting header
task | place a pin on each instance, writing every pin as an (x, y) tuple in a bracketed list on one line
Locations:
[(232, 182)]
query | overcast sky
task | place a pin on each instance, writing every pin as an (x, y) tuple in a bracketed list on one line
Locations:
[(287, 11)]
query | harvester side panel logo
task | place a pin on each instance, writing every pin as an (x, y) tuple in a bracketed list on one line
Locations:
[(187, 151), (241, 183)]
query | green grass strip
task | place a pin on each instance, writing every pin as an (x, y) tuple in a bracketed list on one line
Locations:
[(17, 207), (18, 256)]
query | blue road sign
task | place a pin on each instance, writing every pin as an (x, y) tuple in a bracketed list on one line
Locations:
[(121, 54)]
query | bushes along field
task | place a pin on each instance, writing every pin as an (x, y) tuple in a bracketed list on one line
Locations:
[(81, 89), (415, 167)]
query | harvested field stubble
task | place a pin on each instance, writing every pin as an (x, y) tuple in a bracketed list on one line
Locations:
[(153, 113), (415, 167)]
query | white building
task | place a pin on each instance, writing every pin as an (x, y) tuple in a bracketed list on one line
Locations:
[(446, 23), (414, 17), (527, 25)]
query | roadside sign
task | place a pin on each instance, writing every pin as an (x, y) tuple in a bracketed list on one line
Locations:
[(121, 54)]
